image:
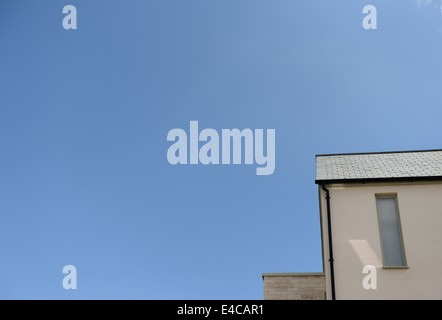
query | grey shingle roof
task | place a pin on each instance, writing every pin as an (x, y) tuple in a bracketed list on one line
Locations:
[(417, 165)]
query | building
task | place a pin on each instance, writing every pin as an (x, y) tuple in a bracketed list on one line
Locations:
[(381, 228)]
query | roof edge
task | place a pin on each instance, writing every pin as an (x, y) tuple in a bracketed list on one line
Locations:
[(292, 274), (382, 152), (387, 179)]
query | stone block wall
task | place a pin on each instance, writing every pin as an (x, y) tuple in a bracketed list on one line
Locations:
[(294, 286)]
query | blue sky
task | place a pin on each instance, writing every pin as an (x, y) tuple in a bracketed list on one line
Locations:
[(84, 116)]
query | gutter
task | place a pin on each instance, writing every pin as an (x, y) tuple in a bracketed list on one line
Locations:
[(385, 179), (330, 242)]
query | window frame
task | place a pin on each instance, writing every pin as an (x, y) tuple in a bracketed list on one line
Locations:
[(398, 216)]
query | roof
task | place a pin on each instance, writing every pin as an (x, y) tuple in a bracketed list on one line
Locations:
[(379, 166)]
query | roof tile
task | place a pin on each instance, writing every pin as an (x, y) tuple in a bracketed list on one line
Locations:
[(379, 165)]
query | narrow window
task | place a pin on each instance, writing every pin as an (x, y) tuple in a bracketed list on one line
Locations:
[(390, 230)]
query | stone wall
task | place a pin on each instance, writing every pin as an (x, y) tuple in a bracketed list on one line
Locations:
[(294, 286)]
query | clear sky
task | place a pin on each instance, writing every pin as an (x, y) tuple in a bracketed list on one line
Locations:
[(84, 116)]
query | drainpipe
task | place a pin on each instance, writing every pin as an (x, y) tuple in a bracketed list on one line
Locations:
[(330, 243)]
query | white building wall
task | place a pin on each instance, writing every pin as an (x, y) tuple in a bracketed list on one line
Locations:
[(356, 241)]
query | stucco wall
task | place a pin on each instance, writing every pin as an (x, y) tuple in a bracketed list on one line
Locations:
[(356, 241), (294, 286)]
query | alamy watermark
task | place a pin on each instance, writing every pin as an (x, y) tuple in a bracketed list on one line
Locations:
[(369, 21), (70, 281), (370, 280), (231, 140), (70, 20)]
